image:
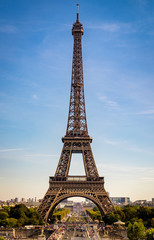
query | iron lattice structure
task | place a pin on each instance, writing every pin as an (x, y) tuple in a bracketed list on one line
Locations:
[(76, 140)]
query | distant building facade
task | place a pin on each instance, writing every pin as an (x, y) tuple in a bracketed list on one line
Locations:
[(144, 203), (120, 200), (77, 207)]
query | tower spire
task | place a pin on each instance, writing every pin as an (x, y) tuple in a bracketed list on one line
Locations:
[(77, 12), (77, 123)]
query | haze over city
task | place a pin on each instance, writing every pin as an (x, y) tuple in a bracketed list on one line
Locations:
[(36, 48)]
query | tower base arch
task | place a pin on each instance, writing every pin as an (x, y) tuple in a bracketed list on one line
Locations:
[(60, 190)]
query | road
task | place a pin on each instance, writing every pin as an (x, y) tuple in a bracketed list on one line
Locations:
[(78, 226)]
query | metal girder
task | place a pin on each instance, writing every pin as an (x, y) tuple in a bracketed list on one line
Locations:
[(77, 123), (75, 146), (60, 190)]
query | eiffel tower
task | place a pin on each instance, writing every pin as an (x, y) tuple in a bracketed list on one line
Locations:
[(76, 140)]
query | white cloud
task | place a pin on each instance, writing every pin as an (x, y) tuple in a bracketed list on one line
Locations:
[(11, 150), (141, 150), (146, 112), (25, 156), (136, 149), (128, 146), (109, 103), (111, 142), (34, 96), (148, 172), (8, 29), (41, 155), (110, 27)]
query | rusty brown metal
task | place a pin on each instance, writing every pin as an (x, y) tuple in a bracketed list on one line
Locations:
[(76, 140)]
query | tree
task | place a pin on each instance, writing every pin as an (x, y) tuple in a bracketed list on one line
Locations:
[(21, 222), (150, 234), (6, 209), (110, 218), (136, 231), (130, 212), (144, 212), (95, 209), (3, 215), (59, 214), (19, 211), (152, 222), (19, 215), (119, 213), (9, 222)]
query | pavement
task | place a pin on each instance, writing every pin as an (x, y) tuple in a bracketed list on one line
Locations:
[(78, 230)]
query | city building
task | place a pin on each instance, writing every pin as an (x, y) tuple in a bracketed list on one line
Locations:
[(120, 200), (77, 207), (65, 203), (143, 203), (16, 200), (23, 200)]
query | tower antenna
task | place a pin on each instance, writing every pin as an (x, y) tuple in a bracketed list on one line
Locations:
[(77, 12)]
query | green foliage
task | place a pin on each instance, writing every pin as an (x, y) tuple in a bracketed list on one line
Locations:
[(19, 211), (120, 215), (3, 215), (95, 215), (111, 217), (127, 214), (144, 212), (21, 222), (59, 214), (6, 209), (136, 231), (1, 238), (95, 209), (19, 216), (150, 234), (152, 222), (131, 214), (11, 222)]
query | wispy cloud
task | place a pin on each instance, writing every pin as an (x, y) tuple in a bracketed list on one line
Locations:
[(141, 150), (34, 96), (146, 112), (11, 150), (21, 155), (110, 27), (136, 149), (127, 169), (108, 102), (111, 142), (41, 155), (8, 29), (128, 146)]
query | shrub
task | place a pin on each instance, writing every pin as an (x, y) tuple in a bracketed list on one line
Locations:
[(150, 234), (136, 231)]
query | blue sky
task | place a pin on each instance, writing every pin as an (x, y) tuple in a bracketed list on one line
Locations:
[(36, 48)]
